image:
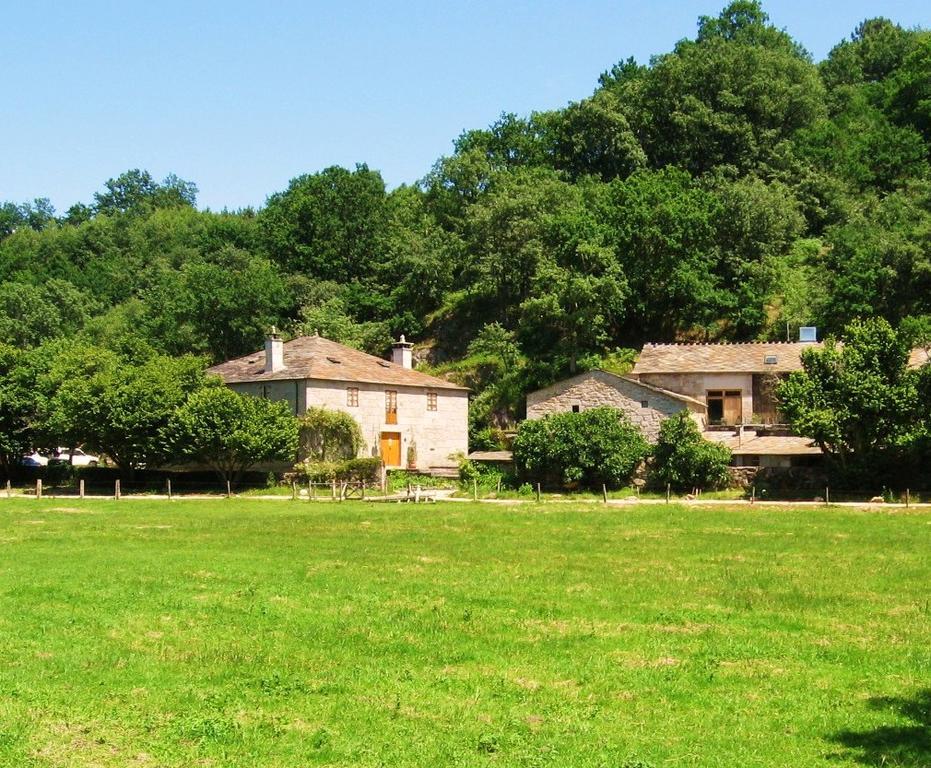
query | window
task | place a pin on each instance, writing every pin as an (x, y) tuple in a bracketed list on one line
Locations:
[(725, 406), (576, 408), (431, 401), (644, 403), (352, 397), (391, 406)]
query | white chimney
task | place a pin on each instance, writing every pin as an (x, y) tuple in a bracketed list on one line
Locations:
[(274, 352), (402, 354)]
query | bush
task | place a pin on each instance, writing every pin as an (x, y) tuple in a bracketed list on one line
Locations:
[(350, 470), (685, 460), (587, 449)]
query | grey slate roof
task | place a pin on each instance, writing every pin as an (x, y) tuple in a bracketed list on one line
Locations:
[(314, 357)]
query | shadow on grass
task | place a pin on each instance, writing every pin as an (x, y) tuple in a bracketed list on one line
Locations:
[(905, 746)]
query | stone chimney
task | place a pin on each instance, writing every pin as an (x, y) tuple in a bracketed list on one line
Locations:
[(274, 352), (402, 354)]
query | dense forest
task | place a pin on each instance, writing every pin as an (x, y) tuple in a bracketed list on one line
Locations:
[(731, 189)]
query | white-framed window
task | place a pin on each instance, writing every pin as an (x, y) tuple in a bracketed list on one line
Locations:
[(431, 401), (352, 397)]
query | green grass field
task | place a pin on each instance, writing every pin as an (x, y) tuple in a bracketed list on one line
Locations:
[(250, 633)]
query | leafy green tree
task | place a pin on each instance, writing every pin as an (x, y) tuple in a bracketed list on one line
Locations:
[(17, 406), (587, 449), (111, 406), (231, 433), (222, 307), (879, 262), (136, 192), (683, 459), (329, 435), (727, 98), (857, 400), (593, 137), (328, 225)]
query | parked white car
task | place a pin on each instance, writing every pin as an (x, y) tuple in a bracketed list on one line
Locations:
[(78, 457)]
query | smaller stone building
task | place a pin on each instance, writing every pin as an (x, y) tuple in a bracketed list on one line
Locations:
[(645, 405)]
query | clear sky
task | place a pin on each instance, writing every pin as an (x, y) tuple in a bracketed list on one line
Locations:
[(240, 97)]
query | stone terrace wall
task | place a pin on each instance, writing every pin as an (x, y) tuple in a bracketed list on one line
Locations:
[(597, 388)]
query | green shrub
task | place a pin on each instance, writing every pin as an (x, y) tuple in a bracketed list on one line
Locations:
[(580, 449), (350, 470), (685, 460)]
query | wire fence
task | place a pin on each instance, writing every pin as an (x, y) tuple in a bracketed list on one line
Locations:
[(426, 491)]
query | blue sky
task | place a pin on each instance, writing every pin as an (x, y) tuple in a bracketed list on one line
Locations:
[(240, 97)]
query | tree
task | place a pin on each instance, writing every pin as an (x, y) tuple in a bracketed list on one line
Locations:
[(728, 98), (94, 398), (328, 435), (231, 433), (591, 448), (856, 399), (136, 192), (17, 406), (683, 459), (328, 225)]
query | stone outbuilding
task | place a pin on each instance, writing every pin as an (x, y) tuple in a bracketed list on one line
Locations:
[(644, 404)]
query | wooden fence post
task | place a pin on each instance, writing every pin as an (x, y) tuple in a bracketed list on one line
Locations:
[(363, 489), (538, 493), (604, 492), (229, 490), (169, 489), (333, 488), (313, 490), (498, 491), (668, 491), (827, 494), (9, 488), (116, 489), (81, 488), (39, 488), (753, 494), (310, 488), (907, 498), (474, 489), (293, 491)]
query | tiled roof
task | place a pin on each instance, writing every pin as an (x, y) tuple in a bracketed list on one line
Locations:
[(751, 444), (750, 357), (636, 383), (722, 358), (314, 357)]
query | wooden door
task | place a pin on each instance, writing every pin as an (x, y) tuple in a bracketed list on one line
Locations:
[(391, 449), (733, 407)]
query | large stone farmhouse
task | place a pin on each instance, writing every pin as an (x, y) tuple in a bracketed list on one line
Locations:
[(403, 414)]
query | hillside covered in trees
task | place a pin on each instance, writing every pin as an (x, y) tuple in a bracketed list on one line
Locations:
[(731, 189)]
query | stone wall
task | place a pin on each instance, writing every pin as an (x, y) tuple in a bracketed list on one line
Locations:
[(645, 407)]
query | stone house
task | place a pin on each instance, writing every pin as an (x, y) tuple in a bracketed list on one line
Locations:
[(736, 382), (644, 404), (403, 414)]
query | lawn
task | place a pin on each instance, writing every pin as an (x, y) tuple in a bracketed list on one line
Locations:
[(278, 633)]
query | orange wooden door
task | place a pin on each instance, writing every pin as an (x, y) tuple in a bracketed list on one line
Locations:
[(391, 449)]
